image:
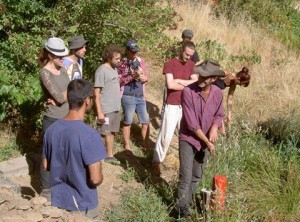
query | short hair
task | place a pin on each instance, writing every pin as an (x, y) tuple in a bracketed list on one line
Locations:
[(78, 91), (109, 52), (244, 76), (187, 44)]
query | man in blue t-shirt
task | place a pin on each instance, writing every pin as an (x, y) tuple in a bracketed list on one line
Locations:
[(73, 151)]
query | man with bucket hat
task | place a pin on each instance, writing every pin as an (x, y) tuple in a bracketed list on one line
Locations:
[(74, 62), (202, 117)]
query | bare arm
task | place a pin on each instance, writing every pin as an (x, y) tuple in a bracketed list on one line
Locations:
[(96, 176), (100, 114), (177, 84), (56, 94), (230, 102), (213, 133), (184, 82), (199, 133), (44, 164)]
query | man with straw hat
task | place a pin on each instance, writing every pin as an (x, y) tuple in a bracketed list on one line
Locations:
[(202, 117)]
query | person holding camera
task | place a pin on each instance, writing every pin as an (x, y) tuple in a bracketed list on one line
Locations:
[(133, 76)]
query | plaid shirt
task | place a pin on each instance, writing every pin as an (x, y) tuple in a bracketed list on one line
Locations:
[(124, 73)]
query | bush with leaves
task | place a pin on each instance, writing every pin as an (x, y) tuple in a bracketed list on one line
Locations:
[(26, 24)]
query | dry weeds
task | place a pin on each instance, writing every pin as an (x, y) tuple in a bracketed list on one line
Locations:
[(274, 90)]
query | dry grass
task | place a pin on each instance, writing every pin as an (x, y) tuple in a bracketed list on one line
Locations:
[(274, 87)]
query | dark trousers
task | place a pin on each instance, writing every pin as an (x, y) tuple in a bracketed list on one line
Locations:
[(192, 163), (45, 175)]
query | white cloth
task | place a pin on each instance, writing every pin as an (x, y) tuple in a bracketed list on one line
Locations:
[(170, 121)]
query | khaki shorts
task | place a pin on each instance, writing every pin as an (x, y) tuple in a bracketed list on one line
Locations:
[(113, 125)]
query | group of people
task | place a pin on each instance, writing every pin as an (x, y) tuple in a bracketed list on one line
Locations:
[(73, 151)]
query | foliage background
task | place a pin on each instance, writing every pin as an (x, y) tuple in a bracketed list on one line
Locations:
[(25, 25)]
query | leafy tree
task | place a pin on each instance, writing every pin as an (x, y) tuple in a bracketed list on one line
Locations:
[(26, 24)]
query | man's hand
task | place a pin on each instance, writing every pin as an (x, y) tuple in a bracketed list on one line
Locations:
[(211, 148), (51, 102), (228, 118), (213, 134), (100, 118)]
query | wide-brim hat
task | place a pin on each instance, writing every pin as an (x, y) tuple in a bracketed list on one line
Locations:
[(77, 42), (56, 46), (209, 68), (132, 46)]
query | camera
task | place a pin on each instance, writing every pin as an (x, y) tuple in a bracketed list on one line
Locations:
[(135, 64)]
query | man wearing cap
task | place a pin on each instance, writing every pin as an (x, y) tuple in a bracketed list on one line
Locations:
[(133, 76), (74, 63), (179, 72), (202, 117)]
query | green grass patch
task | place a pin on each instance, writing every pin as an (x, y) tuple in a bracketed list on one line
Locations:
[(140, 205)]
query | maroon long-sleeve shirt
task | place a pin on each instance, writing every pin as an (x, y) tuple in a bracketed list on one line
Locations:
[(200, 114)]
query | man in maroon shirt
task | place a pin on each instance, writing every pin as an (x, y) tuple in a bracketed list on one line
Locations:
[(202, 117), (179, 72)]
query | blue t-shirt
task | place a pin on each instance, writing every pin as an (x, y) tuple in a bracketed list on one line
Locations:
[(70, 146)]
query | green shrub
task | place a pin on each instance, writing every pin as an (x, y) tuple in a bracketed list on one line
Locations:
[(25, 25)]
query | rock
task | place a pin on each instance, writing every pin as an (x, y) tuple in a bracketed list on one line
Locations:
[(34, 217), (46, 211), (39, 201), (56, 213), (13, 218), (24, 206), (6, 185), (15, 167)]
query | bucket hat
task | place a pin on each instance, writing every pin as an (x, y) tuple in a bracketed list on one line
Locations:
[(209, 68), (187, 33), (56, 46), (132, 46), (77, 42)]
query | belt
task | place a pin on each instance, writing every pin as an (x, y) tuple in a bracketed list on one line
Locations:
[(138, 95)]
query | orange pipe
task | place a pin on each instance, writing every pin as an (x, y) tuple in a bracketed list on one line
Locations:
[(219, 186)]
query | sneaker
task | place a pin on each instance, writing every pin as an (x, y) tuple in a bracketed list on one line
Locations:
[(112, 160)]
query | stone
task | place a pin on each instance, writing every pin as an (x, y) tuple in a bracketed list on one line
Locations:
[(14, 167), (39, 201), (46, 211), (24, 206), (34, 217), (6, 185)]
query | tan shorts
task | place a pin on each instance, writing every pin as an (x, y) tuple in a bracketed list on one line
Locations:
[(112, 125)]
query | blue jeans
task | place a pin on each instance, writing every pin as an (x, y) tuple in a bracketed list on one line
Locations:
[(192, 163), (131, 105)]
